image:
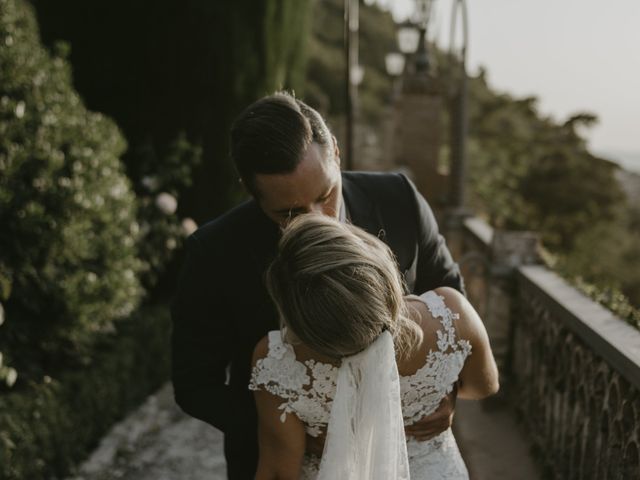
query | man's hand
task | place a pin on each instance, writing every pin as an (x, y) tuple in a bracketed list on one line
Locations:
[(436, 423)]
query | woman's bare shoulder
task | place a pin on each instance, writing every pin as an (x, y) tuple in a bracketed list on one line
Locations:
[(468, 323), (261, 349), (420, 312), (452, 297)]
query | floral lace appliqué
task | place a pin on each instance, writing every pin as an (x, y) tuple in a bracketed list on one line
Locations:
[(308, 388), (423, 391)]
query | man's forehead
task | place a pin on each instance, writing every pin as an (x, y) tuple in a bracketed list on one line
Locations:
[(313, 177), (285, 199)]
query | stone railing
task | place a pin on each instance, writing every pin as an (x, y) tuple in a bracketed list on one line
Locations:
[(576, 379), (570, 367)]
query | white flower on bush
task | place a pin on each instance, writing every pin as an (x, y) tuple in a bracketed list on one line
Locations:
[(171, 243), (118, 190), (166, 203), (189, 226), (64, 182), (10, 376), (150, 183), (20, 109)]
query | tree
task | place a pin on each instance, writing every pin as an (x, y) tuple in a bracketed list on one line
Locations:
[(528, 172), (326, 65)]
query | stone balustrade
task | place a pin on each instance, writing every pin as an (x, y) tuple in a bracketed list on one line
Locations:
[(570, 367)]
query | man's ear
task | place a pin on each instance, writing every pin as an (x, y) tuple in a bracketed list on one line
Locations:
[(336, 150)]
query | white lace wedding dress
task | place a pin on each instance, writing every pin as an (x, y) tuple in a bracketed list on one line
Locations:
[(307, 390)]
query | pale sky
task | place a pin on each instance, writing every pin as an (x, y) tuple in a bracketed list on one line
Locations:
[(574, 55)]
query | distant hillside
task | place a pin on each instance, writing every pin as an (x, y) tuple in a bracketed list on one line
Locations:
[(627, 160), (630, 183)]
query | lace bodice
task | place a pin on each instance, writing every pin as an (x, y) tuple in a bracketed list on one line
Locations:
[(307, 388)]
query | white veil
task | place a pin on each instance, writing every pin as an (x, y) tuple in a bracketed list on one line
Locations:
[(365, 437)]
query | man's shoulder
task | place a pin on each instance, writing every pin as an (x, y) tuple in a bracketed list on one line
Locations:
[(392, 189), (375, 179), (232, 225)]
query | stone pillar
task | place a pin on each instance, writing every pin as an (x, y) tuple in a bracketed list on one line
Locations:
[(453, 228), (418, 135), (509, 250)]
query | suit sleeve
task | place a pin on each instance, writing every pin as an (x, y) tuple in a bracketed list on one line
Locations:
[(436, 267), (200, 342)]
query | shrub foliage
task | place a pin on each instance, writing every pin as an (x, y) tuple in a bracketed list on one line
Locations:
[(68, 265), (46, 428)]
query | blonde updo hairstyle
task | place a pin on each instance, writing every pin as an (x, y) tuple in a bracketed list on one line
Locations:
[(337, 288)]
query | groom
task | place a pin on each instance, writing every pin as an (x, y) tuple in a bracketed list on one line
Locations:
[(289, 161)]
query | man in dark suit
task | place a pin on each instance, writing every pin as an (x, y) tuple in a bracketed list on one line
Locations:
[(289, 161)]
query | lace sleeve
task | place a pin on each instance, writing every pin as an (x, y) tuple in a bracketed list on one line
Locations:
[(279, 374), (423, 391), (447, 340)]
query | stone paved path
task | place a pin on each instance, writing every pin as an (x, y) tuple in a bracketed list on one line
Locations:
[(492, 443), (158, 442)]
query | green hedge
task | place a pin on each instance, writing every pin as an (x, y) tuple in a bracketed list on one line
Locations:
[(68, 242), (48, 427)]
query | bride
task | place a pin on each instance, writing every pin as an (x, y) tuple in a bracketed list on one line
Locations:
[(356, 361)]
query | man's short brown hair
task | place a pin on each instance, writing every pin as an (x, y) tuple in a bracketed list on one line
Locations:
[(271, 135)]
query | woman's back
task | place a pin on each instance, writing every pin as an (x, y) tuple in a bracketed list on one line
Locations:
[(305, 383)]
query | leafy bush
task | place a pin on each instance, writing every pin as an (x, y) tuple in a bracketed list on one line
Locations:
[(611, 298), (159, 176), (68, 266), (46, 428), (607, 291)]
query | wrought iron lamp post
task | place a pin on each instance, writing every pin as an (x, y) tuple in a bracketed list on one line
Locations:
[(417, 110), (353, 76), (459, 120), (412, 43), (412, 37)]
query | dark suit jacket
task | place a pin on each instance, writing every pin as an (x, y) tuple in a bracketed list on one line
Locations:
[(221, 309)]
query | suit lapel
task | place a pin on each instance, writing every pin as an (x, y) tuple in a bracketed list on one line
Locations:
[(361, 209), (366, 214), (263, 241)]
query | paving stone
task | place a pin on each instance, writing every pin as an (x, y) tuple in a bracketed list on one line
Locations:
[(157, 442), (492, 443)]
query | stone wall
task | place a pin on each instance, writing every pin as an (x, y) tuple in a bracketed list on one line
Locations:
[(576, 380), (570, 367)]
